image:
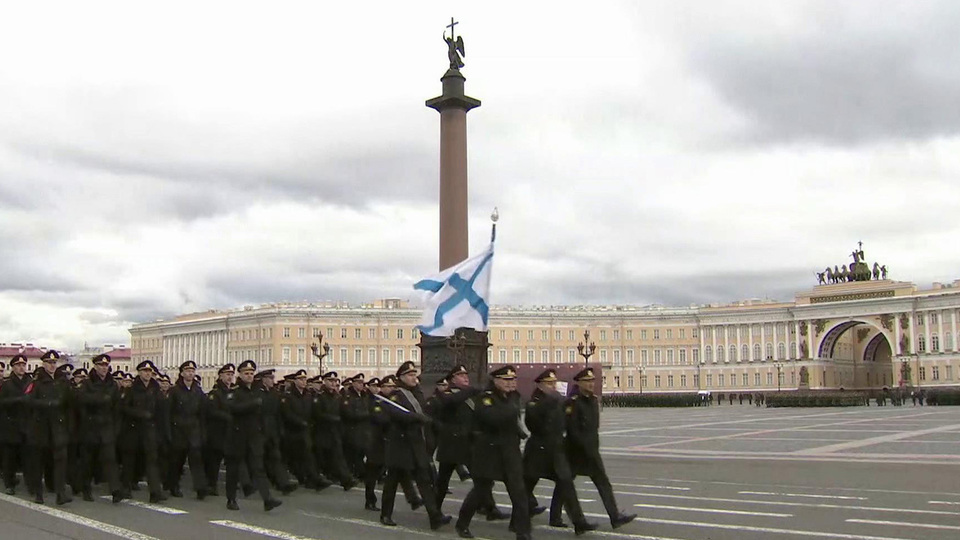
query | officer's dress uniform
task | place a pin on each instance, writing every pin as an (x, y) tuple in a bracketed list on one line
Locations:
[(328, 436), (99, 398), (544, 455), (583, 447), (454, 412), (273, 463), (295, 408), (217, 423), (186, 435), (355, 412), (245, 440), (13, 426), (48, 436), (497, 457), (140, 407)]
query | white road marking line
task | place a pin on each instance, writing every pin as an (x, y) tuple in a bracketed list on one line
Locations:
[(906, 524), (148, 506), (712, 510), (756, 529), (711, 424), (799, 504), (609, 534), (374, 524), (652, 487), (792, 486), (874, 440), (844, 497), (260, 530), (944, 502), (79, 520)]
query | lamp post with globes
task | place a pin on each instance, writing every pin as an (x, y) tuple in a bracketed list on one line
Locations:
[(779, 365), (315, 348), (586, 348)]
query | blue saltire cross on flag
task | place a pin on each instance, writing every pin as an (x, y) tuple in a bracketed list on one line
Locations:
[(458, 296)]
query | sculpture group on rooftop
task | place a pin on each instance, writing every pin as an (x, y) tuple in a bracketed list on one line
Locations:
[(858, 270)]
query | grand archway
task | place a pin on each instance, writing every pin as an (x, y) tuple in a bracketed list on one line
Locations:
[(860, 353)]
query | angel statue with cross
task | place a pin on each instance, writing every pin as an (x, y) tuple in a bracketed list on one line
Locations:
[(454, 47)]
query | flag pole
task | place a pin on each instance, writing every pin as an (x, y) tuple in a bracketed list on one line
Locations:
[(493, 231)]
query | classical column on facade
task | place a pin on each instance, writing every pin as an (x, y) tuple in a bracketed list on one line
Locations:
[(726, 344), (713, 335), (739, 347), (810, 351), (953, 324), (702, 344), (897, 350), (928, 345), (940, 330), (913, 332), (796, 342), (763, 342)]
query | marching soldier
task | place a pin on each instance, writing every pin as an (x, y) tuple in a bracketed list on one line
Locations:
[(217, 421), (47, 435), (186, 431), (355, 411), (379, 427), (140, 408), (544, 455), (245, 437), (13, 427), (496, 453), (327, 432), (406, 449), (98, 397), (273, 460), (583, 443), (295, 408)]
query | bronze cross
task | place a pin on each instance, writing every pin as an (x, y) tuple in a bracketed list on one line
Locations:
[(457, 344), (450, 26)]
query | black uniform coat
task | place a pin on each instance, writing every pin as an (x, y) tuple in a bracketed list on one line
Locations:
[(355, 412), (186, 418), (455, 413), (295, 410), (326, 420), (583, 437), (49, 401), (216, 418), (270, 414), (245, 435), (379, 426), (140, 406), (406, 446), (544, 455), (13, 409), (496, 433), (98, 399)]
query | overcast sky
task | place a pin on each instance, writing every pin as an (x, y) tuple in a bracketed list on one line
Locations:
[(187, 156)]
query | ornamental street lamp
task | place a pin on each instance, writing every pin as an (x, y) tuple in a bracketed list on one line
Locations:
[(315, 348), (586, 351), (640, 375), (779, 366)]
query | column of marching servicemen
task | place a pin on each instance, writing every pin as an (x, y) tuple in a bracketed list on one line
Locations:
[(60, 426)]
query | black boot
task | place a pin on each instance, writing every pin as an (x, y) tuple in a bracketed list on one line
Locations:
[(585, 527), (232, 504), (622, 519), (270, 504), (386, 520)]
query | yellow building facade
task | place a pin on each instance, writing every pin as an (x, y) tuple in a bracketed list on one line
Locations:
[(860, 335)]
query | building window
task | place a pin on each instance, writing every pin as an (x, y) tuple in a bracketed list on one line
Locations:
[(543, 335), (656, 334), (343, 356), (629, 334), (356, 333), (948, 372), (572, 356), (301, 332), (286, 355), (503, 335), (530, 356), (316, 332), (708, 353), (630, 356), (544, 356), (386, 333), (400, 333), (922, 344), (670, 381), (746, 379), (683, 381), (414, 354), (948, 341), (656, 381), (919, 319), (769, 378), (529, 335), (936, 373), (733, 353), (385, 357), (933, 318), (756, 351), (629, 381), (415, 333), (923, 373), (603, 356), (720, 379), (286, 332), (516, 356), (709, 379), (329, 333), (516, 335), (643, 356), (372, 333), (556, 335), (399, 356), (616, 381), (744, 353), (343, 333), (301, 355), (643, 335), (935, 343), (371, 357), (656, 357), (694, 333), (669, 333), (616, 335), (756, 379), (503, 356), (781, 351), (616, 357), (720, 353), (696, 355), (696, 380)]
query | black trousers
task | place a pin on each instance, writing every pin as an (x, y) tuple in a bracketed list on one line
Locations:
[(14, 459), (602, 482), (354, 457), (56, 473), (148, 453), (212, 458), (194, 457), (253, 461), (273, 463), (330, 460), (302, 462), (444, 473), (422, 477), (372, 474), (564, 496), (483, 490), (104, 455)]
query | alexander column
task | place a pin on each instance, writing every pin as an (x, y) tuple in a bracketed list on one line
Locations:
[(453, 106), (467, 346)]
